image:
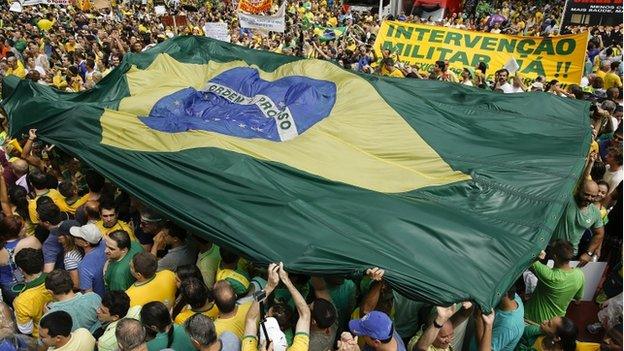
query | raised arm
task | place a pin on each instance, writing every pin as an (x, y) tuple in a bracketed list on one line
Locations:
[(432, 330), (251, 320), (372, 297), (320, 288), (4, 196), (26, 155), (303, 323)]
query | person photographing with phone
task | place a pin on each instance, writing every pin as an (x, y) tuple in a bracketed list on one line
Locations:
[(276, 273)]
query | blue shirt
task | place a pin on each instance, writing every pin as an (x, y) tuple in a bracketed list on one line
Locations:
[(52, 249), (397, 338), (91, 268), (507, 329)]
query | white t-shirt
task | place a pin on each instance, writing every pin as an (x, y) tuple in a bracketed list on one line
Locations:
[(507, 88), (613, 178)]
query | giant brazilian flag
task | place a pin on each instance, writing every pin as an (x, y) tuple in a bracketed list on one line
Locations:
[(451, 189)]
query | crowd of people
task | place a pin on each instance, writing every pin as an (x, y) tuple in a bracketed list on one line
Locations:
[(85, 266)]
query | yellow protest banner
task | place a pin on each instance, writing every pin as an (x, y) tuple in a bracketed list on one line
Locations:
[(560, 57)]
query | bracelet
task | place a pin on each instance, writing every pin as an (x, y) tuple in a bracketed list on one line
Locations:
[(436, 325)]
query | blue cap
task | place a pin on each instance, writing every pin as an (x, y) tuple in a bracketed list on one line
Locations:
[(375, 324)]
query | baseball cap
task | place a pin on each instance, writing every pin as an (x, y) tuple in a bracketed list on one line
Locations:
[(65, 226), (149, 216), (375, 324), (276, 335), (88, 232)]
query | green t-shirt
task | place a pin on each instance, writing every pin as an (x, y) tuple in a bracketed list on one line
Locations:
[(575, 221), (555, 290), (208, 263), (117, 275), (181, 340)]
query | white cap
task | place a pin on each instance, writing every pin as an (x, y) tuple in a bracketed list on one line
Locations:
[(88, 232)]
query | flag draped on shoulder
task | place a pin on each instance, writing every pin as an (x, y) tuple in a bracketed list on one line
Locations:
[(452, 190)]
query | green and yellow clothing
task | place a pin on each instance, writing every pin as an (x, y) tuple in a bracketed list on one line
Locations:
[(162, 287), (18, 71), (120, 225), (238, 279), (234, 324), (212, 312), (28, 305), (208, 263), (117, 275), (56, 197)]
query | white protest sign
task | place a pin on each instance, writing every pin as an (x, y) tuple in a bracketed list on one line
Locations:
[(275, 23), (16, 7), (217, 30)]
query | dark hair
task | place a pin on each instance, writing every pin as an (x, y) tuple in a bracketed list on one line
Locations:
[(59, 282), (117, 302), (66, 189), (175, 231), (58, 323), (562, 250), (10, 227), (283, 314), (95, 181), (567, 332), (48, 212), (615, 65), (51, 181), (30, 260), (616, 153), (323, 313), (145, 263), (188, 271), (38, 179), (155, 316), (19, 197), (224, 296), (228, 257), (598, 170), (195, 292), (122, 238), (107, 204)]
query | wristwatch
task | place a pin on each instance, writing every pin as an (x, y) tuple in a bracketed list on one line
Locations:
[(591, 254)]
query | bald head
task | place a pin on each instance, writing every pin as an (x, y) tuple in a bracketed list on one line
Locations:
[(19, 167), (587, 193), (225, 297), (445, 336), (92, 209)]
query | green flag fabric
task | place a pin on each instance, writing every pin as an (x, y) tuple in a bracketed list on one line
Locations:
[(452, 190)]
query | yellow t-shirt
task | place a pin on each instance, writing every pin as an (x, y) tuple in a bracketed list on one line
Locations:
[(80, 339), (19, 71), (45, 24), (120, 225), (600, 73), (612, 80), (28, 305), (161, 288), (395, 73), (301, 342), (56, 197), (235, 324), (187, 312)]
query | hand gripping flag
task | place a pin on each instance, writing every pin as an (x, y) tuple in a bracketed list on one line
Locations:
[(453, 190)]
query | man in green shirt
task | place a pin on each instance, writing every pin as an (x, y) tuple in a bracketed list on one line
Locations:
[(556, 287), (207, 260), (119, 250), (579, 215)]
